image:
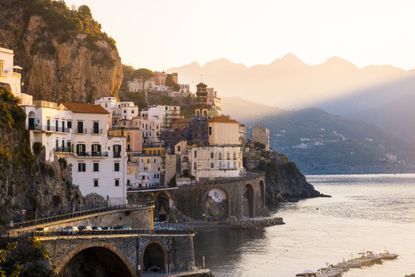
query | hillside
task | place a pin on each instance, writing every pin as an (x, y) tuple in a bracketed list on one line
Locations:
[(320, 142), (289, 83), (64, 53), (26, 180)]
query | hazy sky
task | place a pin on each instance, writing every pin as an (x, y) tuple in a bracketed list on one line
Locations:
[(160, 34)]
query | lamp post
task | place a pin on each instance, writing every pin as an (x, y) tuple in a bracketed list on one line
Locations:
[(23, 215)]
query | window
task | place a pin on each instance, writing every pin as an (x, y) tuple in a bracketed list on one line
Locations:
[(48, 124), (95, 127), (212, 155), (80, 127), (81, 149), (96, 167), (220, 156), (178, 147), (195, 166), (96, 183), (117, 182), (210, 131), (96, 149), (195, 154), (212, 165), (117, 150), (116, 166), (69, 124), (81, 167), (234, 155), (56, 125), (63, 126)]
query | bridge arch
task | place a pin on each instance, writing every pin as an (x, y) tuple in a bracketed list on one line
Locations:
[(217, 203), (92, 260), (154, 258), (248, 198)]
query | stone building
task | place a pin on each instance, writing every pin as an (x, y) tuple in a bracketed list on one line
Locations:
[(261, 134)]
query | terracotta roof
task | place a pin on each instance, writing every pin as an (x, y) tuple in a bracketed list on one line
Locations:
[(85, 108), (223, 119)]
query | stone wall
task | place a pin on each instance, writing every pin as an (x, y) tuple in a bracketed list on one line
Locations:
[(178, 251), (244, 198)]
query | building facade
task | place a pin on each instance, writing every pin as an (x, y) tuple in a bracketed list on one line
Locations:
[(261, 134)]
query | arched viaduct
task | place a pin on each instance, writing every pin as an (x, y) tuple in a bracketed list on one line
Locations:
[(218, 200), (128, 255)]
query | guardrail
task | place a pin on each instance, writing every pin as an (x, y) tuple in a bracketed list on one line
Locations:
[(104, 232), (59, 217)]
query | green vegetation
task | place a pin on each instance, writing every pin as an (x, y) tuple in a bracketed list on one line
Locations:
[(187, 104), (12, 118), (64, 25), (25, 258)]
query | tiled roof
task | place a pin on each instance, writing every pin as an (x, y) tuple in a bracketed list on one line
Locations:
[(223, 119), (85, 108)]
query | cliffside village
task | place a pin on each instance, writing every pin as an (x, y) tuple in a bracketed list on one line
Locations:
[(114, 147)]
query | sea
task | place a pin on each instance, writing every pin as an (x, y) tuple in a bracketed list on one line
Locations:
[(365, 212)]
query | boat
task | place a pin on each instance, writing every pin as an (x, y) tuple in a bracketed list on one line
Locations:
[(308, 273)]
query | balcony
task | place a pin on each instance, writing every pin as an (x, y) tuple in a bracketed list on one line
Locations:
[(49, 128), (63, 149), (96, 131), (117, 155), (81, 131), (91, 154)]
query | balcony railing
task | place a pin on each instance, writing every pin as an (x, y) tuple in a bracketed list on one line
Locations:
[(49, 128), (81, 131), (91, 154), (95, 131), (117, 154), (63, 149)]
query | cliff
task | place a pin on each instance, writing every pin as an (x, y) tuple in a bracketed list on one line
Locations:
[(64, 54), (27, 181), (284, 181)]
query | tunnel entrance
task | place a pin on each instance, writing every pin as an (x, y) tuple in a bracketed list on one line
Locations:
[(95, 261), (154, 258), (162, 207)]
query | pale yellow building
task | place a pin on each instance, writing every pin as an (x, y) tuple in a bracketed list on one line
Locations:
[(223, 131)]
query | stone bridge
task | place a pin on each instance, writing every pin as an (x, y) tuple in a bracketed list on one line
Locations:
[(218, 200), (121, 254)]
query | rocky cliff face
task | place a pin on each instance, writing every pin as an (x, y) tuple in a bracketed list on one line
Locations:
[(27, 181), (64, 54), (284, 181)]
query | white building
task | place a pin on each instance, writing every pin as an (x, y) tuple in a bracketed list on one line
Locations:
[(80, 134), (8, 75), (126, 110), (149, 172), (213, 100), (213, 162)]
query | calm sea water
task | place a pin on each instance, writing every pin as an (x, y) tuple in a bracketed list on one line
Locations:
[(366, 212)]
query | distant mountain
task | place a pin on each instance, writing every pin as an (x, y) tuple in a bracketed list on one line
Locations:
[(396, 116), (244, 110), (320, 142), (290, 83)]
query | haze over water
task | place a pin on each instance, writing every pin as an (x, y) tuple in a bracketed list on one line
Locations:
[(366, 212)]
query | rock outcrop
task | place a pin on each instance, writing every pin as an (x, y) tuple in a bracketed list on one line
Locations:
[(64, 54), (27, 181), (284, 181)]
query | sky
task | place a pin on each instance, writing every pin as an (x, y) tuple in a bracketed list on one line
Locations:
[(160, 34)]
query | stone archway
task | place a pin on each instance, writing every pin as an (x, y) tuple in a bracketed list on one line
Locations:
[(216, 204), (262, 188), (162, 206), (154, 258), (95, 261), (248, 201)]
